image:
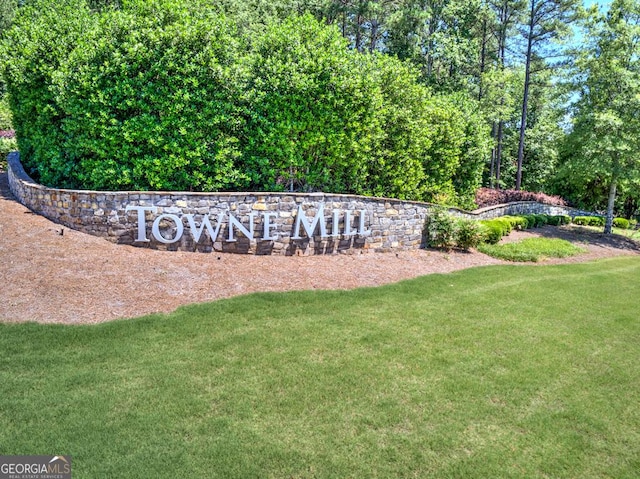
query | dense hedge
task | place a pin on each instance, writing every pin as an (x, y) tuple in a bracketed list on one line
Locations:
[(166, 94)]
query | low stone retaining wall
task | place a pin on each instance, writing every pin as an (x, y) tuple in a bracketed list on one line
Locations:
[(253, 223)]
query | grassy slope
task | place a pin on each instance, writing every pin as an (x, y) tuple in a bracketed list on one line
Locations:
[(493, 372), (531, 249)]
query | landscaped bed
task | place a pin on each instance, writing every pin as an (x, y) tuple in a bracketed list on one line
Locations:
[(75, 278)]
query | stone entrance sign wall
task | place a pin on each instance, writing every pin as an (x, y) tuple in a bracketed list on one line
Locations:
[(253, 223)]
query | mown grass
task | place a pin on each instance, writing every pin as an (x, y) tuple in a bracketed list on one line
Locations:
[(493, 372), (632, 233), (531, 249)]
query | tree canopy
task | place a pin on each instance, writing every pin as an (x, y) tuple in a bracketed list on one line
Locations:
[(604, 143)]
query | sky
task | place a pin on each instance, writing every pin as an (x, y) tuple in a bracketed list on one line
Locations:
[(588, 3)]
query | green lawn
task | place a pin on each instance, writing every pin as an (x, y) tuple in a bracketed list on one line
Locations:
[(510, 371), (531, 249)]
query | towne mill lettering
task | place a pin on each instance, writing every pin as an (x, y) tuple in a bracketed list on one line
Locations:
[(338, 224)]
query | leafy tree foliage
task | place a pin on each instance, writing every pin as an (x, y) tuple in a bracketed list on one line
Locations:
[(42, 38), (306, 109), (604, 143), (149, 98), (547, 19), (172, 95), (421, 99)]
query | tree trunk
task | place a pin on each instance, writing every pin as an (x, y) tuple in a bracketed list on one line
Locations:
[(358, 33), (499, 152), (525, 97), (502, 46), (483, 58), (610, 204), (494, 134), (374, 35)]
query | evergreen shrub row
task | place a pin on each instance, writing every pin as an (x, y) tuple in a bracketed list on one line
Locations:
[(171, 95), (496, 228), (445, 231), (621, 223), (589, 220)]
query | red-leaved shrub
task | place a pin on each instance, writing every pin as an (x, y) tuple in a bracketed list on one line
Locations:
[(489, 197), (7, 134)]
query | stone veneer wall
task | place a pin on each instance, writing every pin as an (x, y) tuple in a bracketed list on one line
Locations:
[(388, 224)]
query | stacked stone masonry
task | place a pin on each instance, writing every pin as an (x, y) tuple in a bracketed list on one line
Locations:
[(252, 223)]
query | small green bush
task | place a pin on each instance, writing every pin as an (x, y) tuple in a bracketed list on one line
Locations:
[(558, 220), (621, 223), (554, 220), (541, 220), (469, 234), (516, 222), (589, 220), (495, 229), (7, 145), (506, 224), (6, 122), (440, 229), (491, 232), (531, 221)]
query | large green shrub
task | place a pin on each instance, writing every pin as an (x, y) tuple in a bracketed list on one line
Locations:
[(474, 150), (150, 101), (307, 110), (460, 145), (43, 35), (322, 117), (167, 94), (396, 149)]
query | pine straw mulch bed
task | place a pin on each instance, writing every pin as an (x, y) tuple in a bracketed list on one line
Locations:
[(75, 278)]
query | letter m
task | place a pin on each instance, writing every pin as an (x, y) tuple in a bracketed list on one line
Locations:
[(309, 226)]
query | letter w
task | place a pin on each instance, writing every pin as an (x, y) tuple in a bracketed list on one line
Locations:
[(196, 232)]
